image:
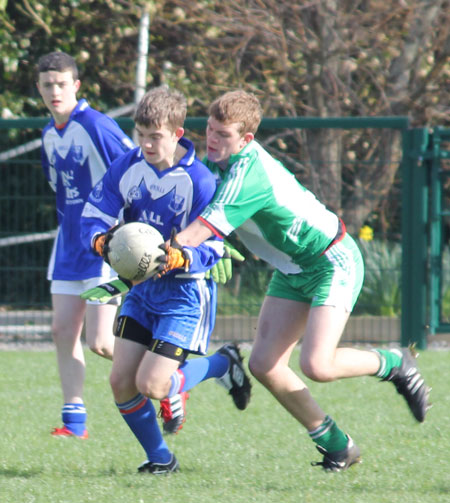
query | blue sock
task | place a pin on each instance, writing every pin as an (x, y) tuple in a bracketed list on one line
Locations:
[(140, 415), (74, 417), (198, 370)]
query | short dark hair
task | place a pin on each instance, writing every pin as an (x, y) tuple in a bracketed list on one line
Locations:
[(58, 62), (162, 106)]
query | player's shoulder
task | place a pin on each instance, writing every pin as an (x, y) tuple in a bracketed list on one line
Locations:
[(126, 161), (50, 126), (86, 114), (190, 161), (254, 152), (199, 166), (256, 157), (201, 174), (94, 120)]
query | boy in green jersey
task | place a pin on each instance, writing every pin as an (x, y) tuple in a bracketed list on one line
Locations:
[(318, 277)]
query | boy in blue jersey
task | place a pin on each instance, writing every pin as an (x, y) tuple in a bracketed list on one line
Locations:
[(78, 146), (162, 183)]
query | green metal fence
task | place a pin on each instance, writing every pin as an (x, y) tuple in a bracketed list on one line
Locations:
[(27, 215), (426, 209)]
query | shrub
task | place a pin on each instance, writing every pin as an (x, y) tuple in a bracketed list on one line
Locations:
[(381, 291)]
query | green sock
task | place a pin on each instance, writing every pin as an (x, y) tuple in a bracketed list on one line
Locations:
[(329, 436), (389, 358)]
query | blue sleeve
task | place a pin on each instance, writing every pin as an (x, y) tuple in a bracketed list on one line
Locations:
[(110, 140), (204, 256), (103, 206)]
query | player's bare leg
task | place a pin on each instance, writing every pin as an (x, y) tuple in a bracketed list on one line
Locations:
[(153, 380), (68, 317), (137, 410), (321, 360), (67, 324), (281, 324), (153, 377), (127, 358), (99, 329)]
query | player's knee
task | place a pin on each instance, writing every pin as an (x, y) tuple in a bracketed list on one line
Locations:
[(55, 337), (101, 350), (150, 389), (254, 367), (121, 385), (60, 334), (100, 343), (316, 370), (98, 350), (114, 382), (259, 368)]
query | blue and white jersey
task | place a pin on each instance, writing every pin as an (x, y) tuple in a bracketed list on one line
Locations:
[(74, 159), (135, 191)]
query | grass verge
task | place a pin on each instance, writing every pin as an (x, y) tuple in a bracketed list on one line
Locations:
[(226, 456)]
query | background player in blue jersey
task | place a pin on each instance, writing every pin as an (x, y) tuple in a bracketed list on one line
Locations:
[(78, 145), (162, 183)]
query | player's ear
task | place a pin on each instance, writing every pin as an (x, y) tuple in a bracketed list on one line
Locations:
[(247, 138), (179, 132), (77, 85)]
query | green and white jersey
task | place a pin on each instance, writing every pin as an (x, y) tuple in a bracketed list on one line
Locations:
[(275, 217)]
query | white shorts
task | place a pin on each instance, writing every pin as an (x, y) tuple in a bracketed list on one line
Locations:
[(60, 287)]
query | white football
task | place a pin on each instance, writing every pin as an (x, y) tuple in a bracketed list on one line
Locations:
[(133, 250)]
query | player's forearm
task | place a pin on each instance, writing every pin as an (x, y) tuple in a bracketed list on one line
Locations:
[(194, 234)]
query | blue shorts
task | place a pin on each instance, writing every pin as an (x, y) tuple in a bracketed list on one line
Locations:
[(179, 311), (335, 279)]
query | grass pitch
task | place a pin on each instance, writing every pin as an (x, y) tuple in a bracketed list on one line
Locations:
[(226, 456)]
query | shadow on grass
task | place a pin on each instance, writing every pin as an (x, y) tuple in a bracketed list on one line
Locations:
[(18, 473), (114, 472)]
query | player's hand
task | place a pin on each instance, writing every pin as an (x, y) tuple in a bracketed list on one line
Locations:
[(222, 271), (101, 242), (174, 256), (107, 291)]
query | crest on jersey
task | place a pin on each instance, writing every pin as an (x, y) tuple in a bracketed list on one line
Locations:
[(176, 202), (134, 194), (156, 211), (97, 192), (77, 153)]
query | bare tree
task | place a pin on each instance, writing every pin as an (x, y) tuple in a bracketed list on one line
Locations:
[(322, 58), (330, 58)]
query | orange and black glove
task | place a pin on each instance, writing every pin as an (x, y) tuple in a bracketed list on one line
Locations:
[(101, 241), (174, 256)]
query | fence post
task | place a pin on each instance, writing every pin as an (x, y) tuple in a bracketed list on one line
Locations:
[(414, 237)]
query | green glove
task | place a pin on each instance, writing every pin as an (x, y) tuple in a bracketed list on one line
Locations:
[(107, 291), (222, 271)]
